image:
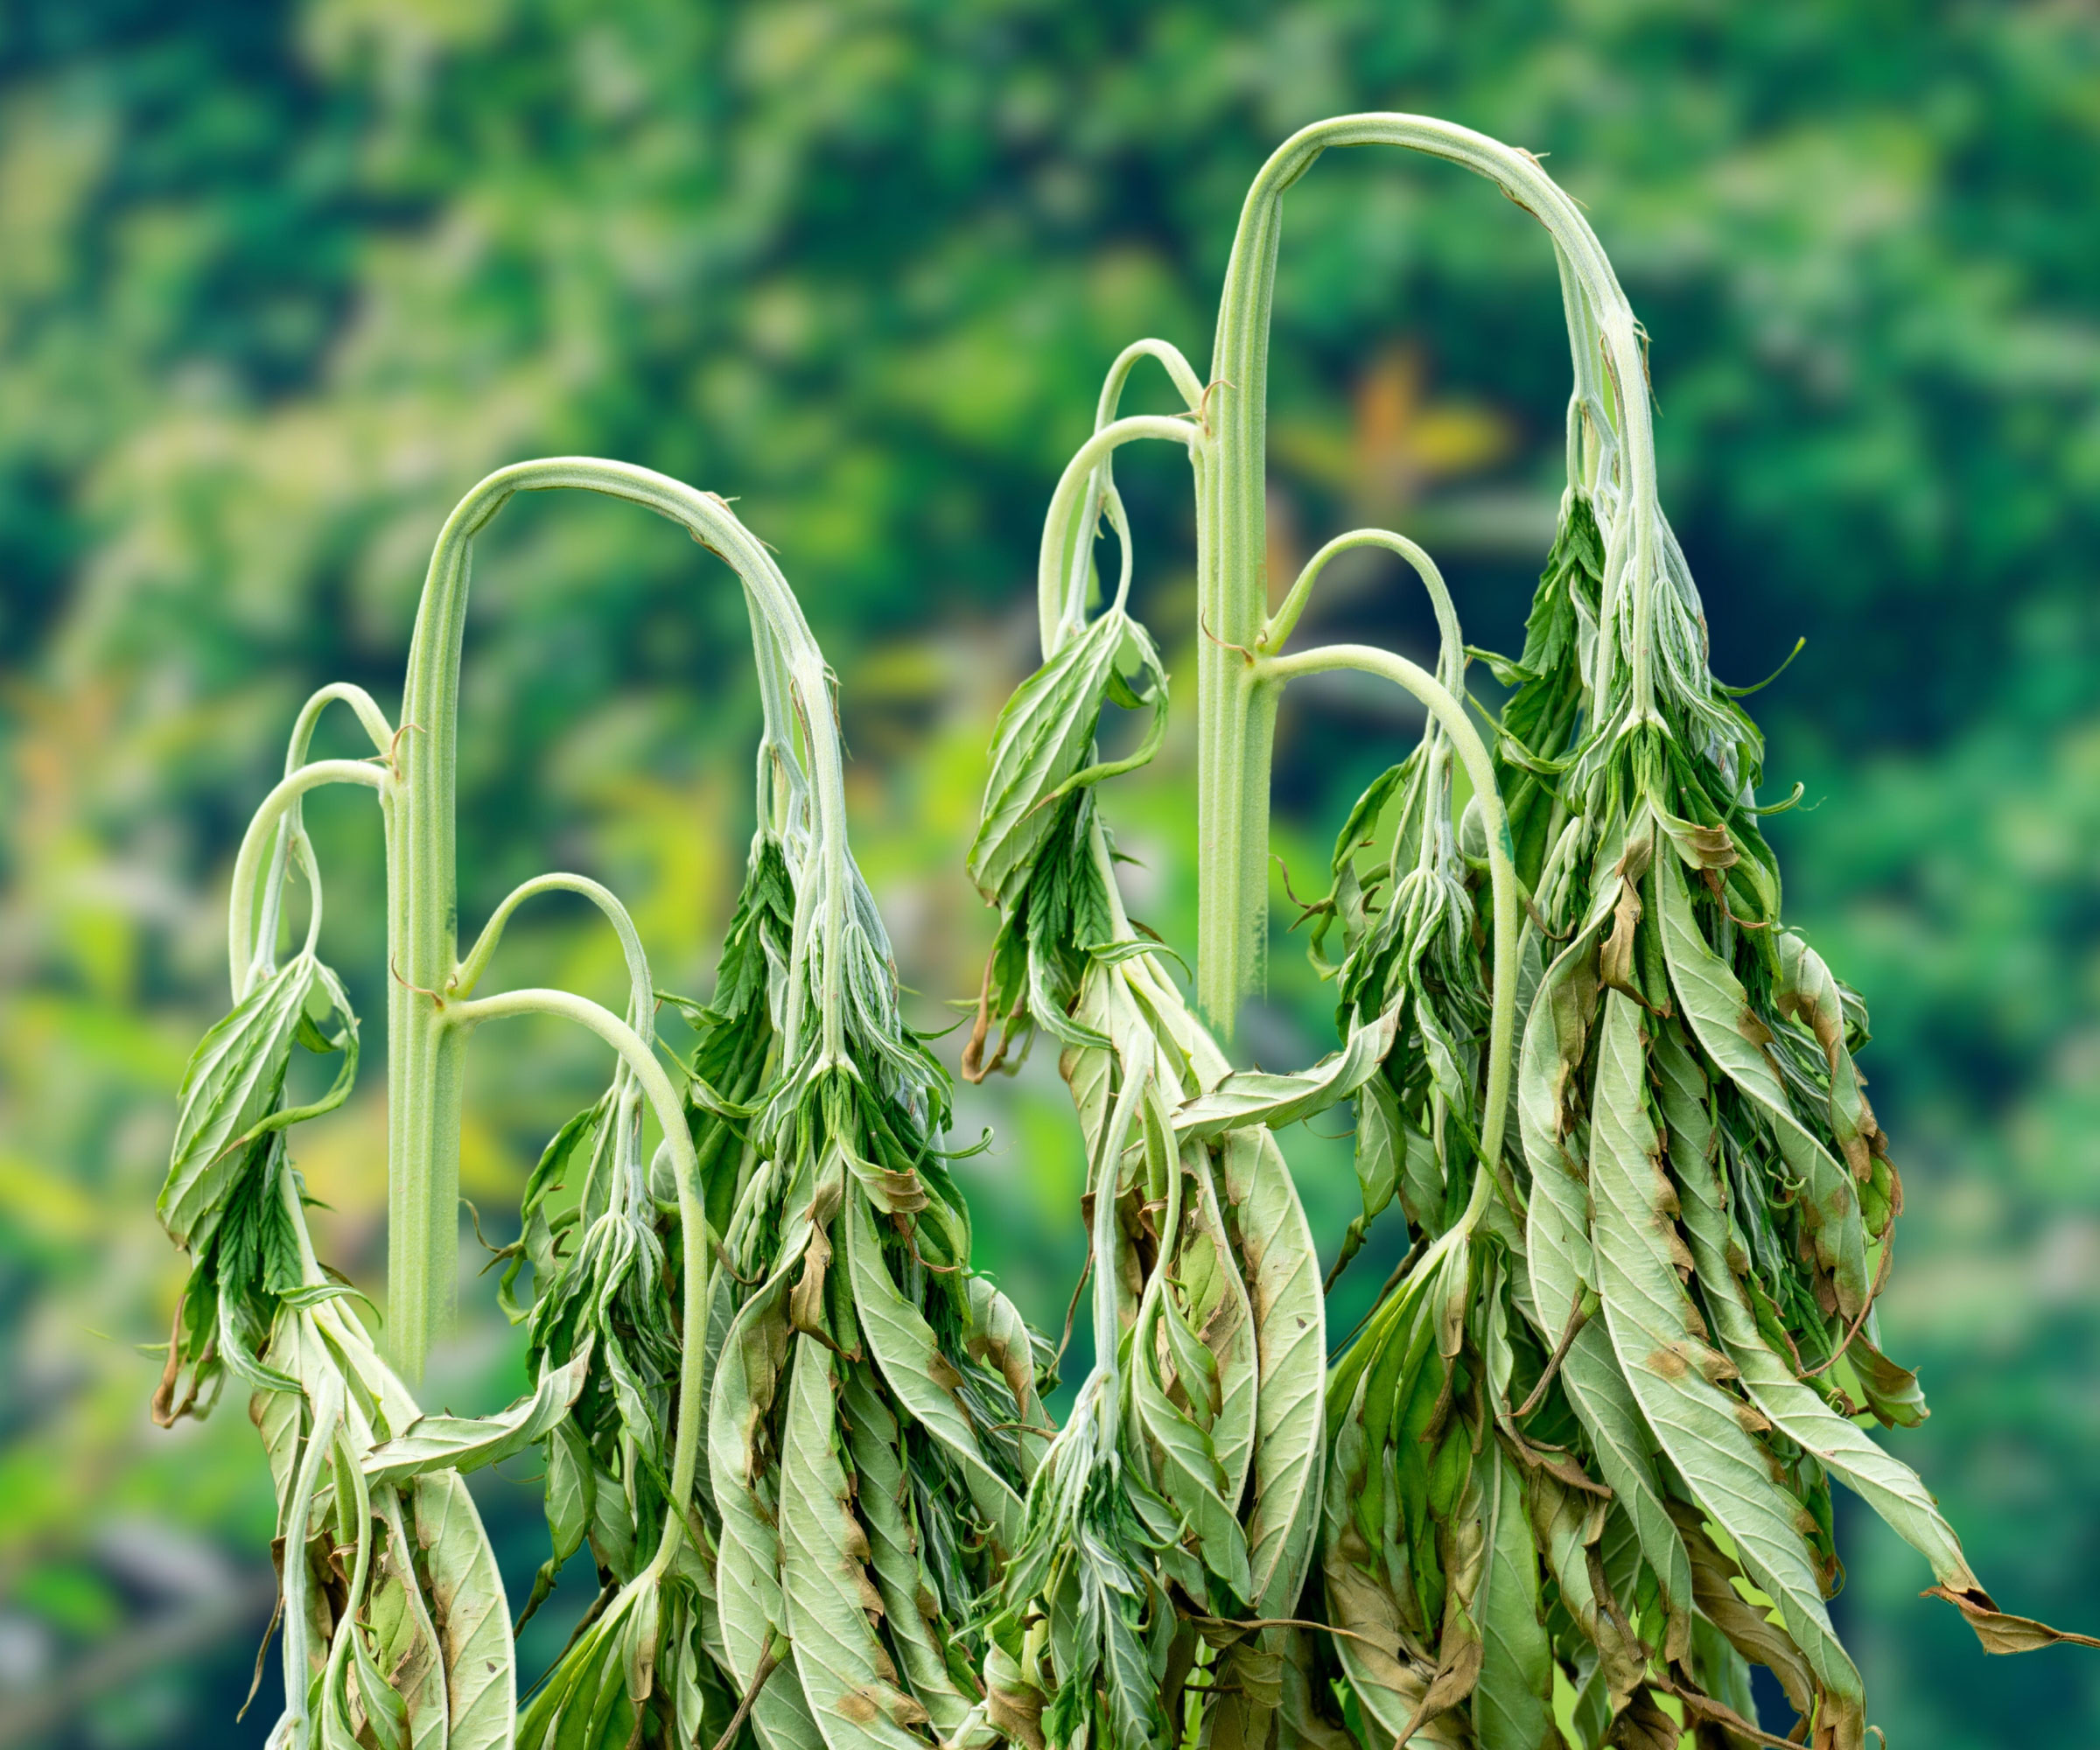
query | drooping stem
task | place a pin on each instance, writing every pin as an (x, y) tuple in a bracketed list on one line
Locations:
[(1269, 677), (1234, 723), (292, 829), (641, 991), (424, 1055), (1451, 652), (457, 1019), (1061, 606), (1102, 486), (245, 944)]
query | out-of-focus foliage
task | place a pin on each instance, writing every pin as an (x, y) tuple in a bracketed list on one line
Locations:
[(277, 282)]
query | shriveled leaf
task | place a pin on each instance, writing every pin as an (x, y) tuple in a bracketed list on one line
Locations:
[(1749, 1630), (1247, 1098), (2003, 1634), (464, 1443), (1224, 1315), (1720, 1018), (855, 1703)]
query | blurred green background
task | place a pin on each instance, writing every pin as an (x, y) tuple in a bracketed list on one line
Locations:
[(279, 282)]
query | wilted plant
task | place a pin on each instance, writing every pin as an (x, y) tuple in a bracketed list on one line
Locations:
[(1568, 1478), (1578, 1457), (874, 1417), (1174, 1515)]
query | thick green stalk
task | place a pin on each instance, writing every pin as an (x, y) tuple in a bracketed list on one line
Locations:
[(425, 1055), (1235, 727)]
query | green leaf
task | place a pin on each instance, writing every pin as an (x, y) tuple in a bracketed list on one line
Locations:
[(1041, 741), (747, 1566), (826, 1589), (1219, 1306), (386, 1711), (1513, 1706), (1274, 1246), (1719, 1016), (1556, 1224), (234, 1080), (472, 1616), (583, 1703), (1388, 1671), (1247, 1098), (1888, 1485), (1000, 1336), (572, 1484), (1188, 1471), (464, 1443), (903, 1345), (1701, 1428), (881, 1493), (1625, 1454)]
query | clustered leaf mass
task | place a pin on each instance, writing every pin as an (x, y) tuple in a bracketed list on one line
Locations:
[(1564, 1485)]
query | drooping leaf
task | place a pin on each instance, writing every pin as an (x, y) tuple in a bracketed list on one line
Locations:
[(747, 1569), (1887, 1484), (1041, 741), (881, 1499), (1513, 1704), (463, 1443), (1718, 1010), (1247, 1098), (903, 1345), (856, 1703), (1705, 1432), (1548, 1063), (472, 1614), (232, 1084)]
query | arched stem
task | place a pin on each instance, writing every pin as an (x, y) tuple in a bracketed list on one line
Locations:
[(1450, 658), (802, 760), (291, 830), (245, 945), (1269, 677), (1233, 727), (455, 1020), (1060, 605), (1101, 487), (641, 990)]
